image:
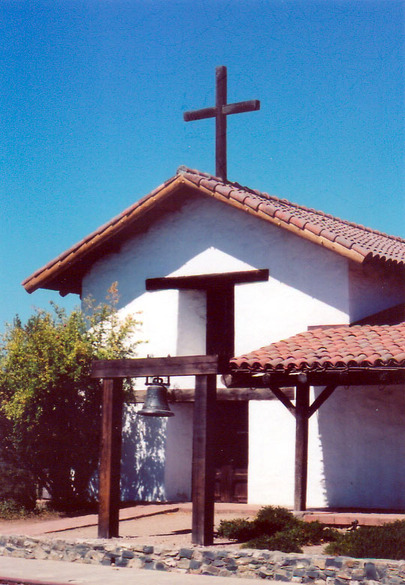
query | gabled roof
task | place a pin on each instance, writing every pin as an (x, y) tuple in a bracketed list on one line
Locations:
[(341, 348), (351, 240)]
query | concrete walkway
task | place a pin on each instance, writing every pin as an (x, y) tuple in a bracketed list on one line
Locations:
[(14, 570), (346, 518)]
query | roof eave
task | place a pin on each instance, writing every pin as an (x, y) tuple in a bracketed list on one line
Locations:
[(54, 275)]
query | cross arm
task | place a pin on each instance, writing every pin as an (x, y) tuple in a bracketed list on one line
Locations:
[(237, 108), (200, 114), (240, 107)]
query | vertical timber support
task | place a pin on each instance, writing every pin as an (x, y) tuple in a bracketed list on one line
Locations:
[(301, 445), (221, 99), (203, 478), (110, 459)]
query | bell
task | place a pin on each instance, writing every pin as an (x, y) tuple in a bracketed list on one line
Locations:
[(156, 403)]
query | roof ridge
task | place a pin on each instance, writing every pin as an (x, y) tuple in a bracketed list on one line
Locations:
[(314, 225)]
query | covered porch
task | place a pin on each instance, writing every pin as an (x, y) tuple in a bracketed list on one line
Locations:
[(362, 355)]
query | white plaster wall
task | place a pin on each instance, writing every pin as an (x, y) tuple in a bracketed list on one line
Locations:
[(179, 448), (206, 237), (308, 285), (272, 456), (143, 456), (363, 451), (371, 291)]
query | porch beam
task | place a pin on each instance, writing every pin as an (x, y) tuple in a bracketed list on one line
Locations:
[(110, 459), (350, 377)]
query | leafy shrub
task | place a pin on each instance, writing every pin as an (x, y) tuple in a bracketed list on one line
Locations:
[(379, 542), (285, 541), (316, 533), (276, 528), (9, 510), (17, 489), (51, 404), (239, 529), (272, 519)]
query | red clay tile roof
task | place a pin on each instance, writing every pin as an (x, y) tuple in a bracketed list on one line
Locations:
[(368, 243), (338, 348), (351, 240)]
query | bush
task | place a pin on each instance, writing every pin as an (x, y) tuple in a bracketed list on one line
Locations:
[(287, 541), (17, 489), (379, 542), (50, 403), (239, 529), (270, 520), (276, 528)]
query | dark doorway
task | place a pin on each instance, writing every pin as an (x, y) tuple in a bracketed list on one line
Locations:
[(231, 451)]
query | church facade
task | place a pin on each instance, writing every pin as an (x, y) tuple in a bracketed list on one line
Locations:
[(322, 272)]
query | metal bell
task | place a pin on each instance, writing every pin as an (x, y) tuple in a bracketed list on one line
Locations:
[(156, 403)]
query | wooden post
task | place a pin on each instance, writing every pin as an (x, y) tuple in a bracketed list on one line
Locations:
[(221, 322), (110, 459), (203, 474), (301, 445), (220, 130)]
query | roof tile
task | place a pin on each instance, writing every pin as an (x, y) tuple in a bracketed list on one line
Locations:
[(340, 347), (357, 241)]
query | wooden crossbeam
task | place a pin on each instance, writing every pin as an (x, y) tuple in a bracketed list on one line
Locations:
[(159, 366), (206, 281)]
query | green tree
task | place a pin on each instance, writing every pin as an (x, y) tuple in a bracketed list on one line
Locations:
[(52, 405)]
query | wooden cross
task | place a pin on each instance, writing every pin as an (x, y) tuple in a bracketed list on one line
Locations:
[(221, 110)]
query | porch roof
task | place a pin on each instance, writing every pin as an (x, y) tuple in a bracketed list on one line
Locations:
[(341, 348)]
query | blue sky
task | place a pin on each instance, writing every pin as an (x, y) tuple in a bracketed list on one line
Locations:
[(93, 92)]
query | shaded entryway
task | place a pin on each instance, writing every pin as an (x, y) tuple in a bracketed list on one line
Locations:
[(231, 451)]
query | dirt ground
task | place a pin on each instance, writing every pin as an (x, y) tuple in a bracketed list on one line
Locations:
[(166, 525), (171, 529)]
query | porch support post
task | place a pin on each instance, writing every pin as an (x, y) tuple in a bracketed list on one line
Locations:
[(301, 445), (110, 459), (203, 478)]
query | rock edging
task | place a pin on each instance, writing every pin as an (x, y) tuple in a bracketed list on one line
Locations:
[(299, 568)]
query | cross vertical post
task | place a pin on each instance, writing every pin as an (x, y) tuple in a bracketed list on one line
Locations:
[(221, 110), (220, 126)]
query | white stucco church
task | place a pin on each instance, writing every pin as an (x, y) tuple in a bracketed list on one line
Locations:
[(323, 273)]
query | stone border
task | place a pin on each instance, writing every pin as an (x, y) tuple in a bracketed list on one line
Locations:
[(299, 568)]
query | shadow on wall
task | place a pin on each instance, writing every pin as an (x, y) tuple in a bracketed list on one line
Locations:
[(143, 457), (177, 239), (363, 444)]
